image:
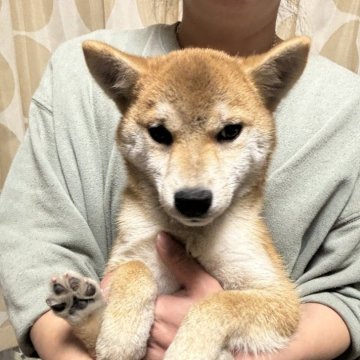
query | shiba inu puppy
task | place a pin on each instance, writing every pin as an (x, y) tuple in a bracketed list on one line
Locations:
[(197, 135)]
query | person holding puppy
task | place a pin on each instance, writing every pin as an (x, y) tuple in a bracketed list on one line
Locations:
[(68, 222)]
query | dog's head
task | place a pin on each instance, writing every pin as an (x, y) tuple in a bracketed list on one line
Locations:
[(197, 123)]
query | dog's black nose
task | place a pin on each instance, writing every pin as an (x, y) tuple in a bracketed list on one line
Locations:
[(193, 202)]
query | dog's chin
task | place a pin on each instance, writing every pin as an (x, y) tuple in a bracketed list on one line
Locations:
[(193, 222)]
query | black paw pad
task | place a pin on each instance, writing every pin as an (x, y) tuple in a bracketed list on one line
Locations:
[(79, 304), (58, 289), (58, 307), (90, 290), (74, 283)]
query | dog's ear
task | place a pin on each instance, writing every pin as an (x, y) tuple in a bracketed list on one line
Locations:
[(115, 71), (276, 71)]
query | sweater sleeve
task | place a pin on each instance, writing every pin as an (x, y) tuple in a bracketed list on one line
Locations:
[(332, 278), (44, 228)]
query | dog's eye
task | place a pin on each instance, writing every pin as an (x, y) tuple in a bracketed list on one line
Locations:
[(160, 134), (229, 132)]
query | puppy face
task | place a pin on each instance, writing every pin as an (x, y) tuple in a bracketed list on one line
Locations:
[(199, 133)]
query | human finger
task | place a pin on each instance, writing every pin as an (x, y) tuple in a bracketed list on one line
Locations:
[(162, 334), (105, 285), (172, 308), (154, 352)]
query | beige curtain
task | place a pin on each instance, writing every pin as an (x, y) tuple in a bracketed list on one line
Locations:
[(333, 26), (31, 29)]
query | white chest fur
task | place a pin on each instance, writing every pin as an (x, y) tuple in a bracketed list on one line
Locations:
[(230, 250)]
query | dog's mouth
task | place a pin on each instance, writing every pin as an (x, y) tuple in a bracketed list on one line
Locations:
[(195, 222), (192, 221)]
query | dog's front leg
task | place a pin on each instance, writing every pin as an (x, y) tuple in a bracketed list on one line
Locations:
[(129, 313), (249, 321)]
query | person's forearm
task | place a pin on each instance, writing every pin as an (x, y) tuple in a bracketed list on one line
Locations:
[(322, 335), (53, 339)]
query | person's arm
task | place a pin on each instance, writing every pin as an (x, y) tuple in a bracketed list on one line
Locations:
[(53, 339), (53, 215), (322, 333)]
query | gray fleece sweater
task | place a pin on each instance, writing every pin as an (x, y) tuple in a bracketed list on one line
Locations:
[(59, 204)]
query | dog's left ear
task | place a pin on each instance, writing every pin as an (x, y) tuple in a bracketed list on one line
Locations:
[(116, 72), (276, 71)]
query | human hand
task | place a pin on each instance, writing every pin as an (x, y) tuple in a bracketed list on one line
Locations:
[(170, 310), (53, 339)]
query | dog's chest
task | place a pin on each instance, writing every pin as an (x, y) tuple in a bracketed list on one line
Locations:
[(234, 257), (236, 260)]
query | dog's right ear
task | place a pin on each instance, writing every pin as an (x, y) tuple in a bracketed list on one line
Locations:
[(116, 72)]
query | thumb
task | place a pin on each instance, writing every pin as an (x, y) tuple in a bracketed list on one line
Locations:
[(185, 269), (105, 285)]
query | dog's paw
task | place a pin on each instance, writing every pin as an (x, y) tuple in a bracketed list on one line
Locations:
[(74, 297)]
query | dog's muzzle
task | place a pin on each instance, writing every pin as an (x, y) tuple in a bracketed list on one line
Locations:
[(193, 202)]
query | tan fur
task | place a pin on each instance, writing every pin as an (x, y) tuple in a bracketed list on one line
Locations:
[(133, 292), (88, 331), (195, 93)]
